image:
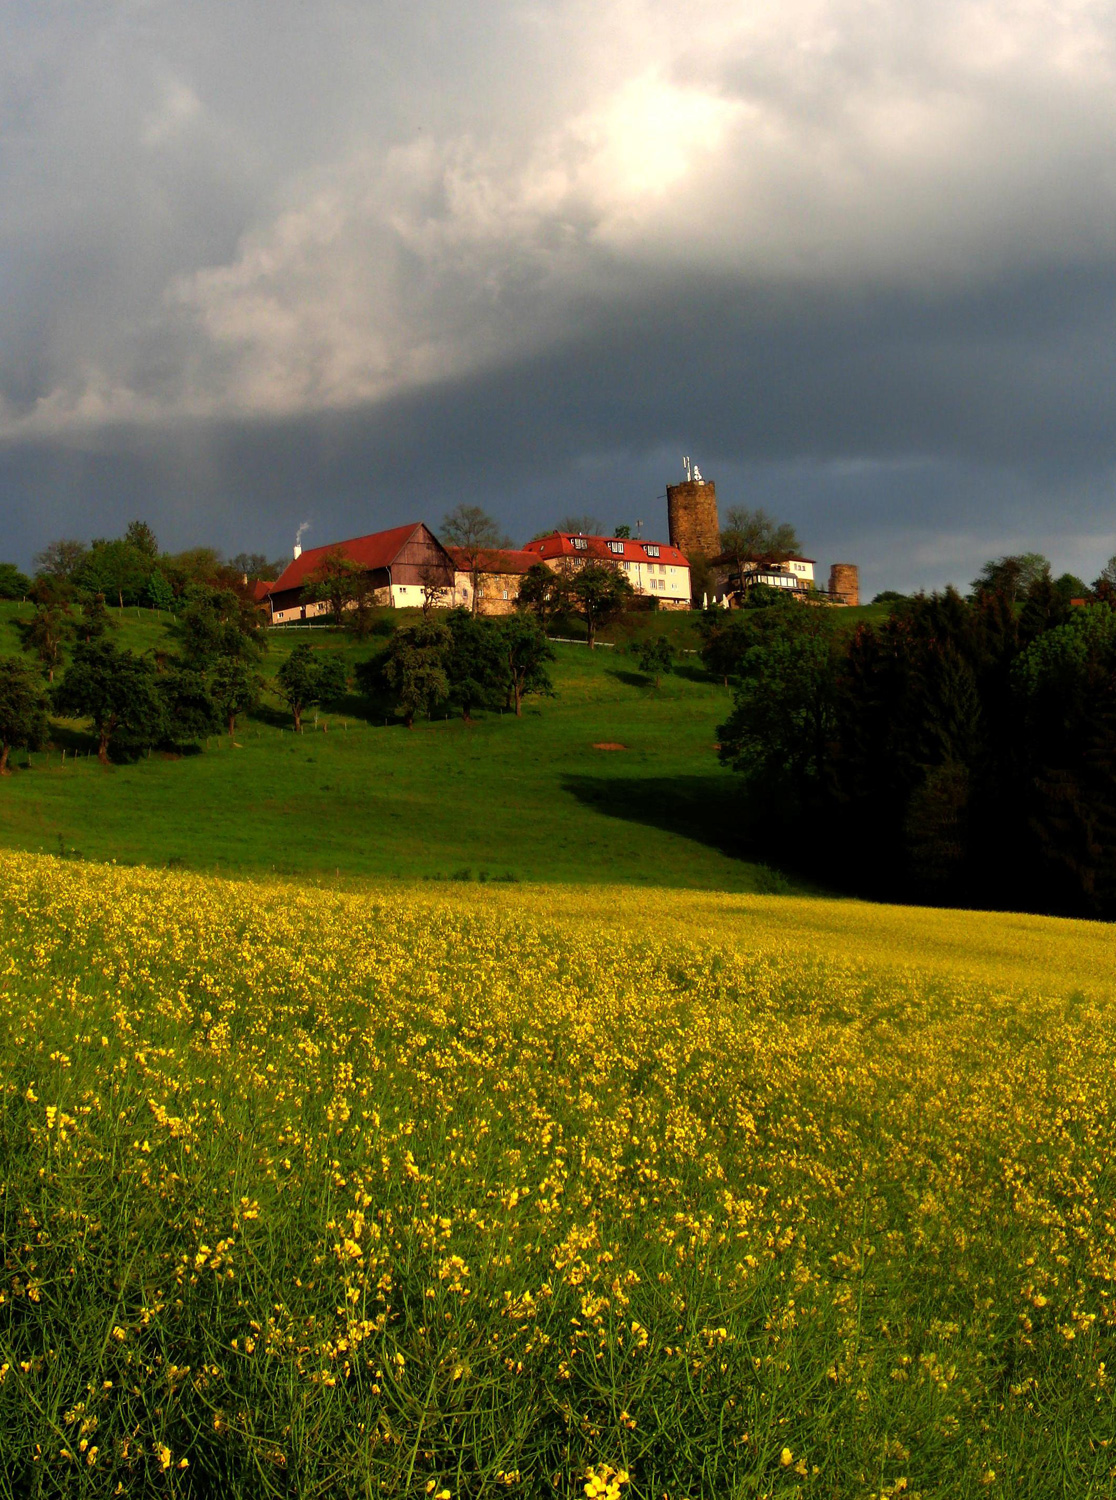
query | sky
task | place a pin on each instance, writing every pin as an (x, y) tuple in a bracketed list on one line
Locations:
[(354, 263)]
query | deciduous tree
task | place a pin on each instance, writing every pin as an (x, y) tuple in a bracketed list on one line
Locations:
[(526, 653), (343, 584), (655, 656), (189, 710), (598, 594), (308, 677), (61, 559), (415, 668), (753, 535), (475, 532), (140, 536), (1011, 576), (543, 593), (475, 664), (46, 632), (581, 525), (235, 686), (13, 583), (217, 623), (23, 716), (116, 569), (117, 690), (778, 733)]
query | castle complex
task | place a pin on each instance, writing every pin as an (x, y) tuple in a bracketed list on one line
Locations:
[(408, 565)]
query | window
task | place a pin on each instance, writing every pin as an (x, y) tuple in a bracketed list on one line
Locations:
[(617, 547), (505, 593), (580, 543), (651, 550)]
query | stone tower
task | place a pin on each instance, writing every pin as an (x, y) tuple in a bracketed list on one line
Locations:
[(844, 583), (695, 528)]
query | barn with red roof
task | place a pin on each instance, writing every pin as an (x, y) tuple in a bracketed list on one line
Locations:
[(400, 565)]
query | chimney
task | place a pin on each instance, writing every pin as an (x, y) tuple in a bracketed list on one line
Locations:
[(297, 550)]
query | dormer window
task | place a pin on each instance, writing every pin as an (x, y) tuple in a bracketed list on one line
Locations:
[(580, 543), (616, 547), (651, 550)]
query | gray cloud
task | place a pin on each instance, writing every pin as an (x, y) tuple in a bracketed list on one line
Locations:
[(356, 262)]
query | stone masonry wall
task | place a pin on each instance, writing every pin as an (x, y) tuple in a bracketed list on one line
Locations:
[(695, 527), (844, 583)]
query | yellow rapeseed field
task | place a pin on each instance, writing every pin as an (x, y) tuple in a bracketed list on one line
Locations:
[(462, 1191)]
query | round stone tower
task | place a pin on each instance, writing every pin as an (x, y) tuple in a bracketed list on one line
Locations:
[(695, 528), (844, 583)]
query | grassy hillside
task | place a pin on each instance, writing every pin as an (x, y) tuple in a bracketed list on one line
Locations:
[(464, 1191), (531, 798)]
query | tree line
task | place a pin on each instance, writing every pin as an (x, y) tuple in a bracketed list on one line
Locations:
[(208, 675), (961, 751)]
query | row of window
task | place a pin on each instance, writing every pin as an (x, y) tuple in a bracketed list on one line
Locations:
[(581, 544)]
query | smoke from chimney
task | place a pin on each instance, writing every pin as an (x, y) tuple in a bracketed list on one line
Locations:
[(298, 538)]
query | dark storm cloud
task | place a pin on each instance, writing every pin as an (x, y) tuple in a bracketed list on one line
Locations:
[(358, 263), (915, 437)]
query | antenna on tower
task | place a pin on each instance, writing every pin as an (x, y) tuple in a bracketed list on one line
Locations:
[(686, 469)]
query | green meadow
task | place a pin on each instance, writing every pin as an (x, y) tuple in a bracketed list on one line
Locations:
[(360, 796)]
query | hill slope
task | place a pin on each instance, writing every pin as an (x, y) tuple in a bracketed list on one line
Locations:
[(531, 798)]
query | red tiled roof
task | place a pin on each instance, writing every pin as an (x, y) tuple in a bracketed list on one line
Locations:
[(561, 544), (493, 560), (377, 550), (260, 590)]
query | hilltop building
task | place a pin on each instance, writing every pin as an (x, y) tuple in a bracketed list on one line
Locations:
[(692, 519), (497, 573), (400, 565), (404, 564), (655, 570), (844, 583), (794, 573)]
